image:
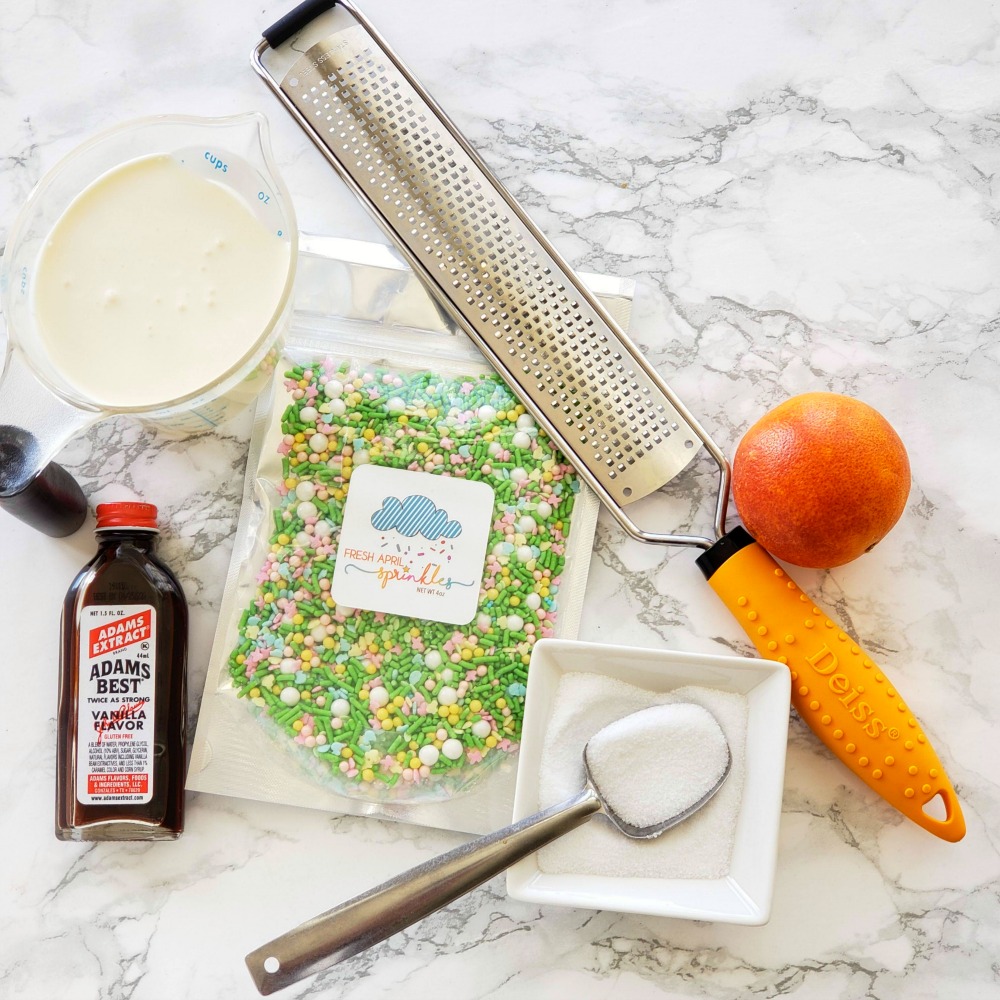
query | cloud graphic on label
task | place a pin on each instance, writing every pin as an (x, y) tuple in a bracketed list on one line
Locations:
[(416, 515)]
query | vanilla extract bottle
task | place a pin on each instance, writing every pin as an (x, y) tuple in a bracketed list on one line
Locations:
[(122, 690)]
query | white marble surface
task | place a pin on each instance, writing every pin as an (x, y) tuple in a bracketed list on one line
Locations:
[(811, 191)]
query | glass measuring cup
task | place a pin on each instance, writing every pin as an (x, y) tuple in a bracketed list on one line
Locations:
[(40, 407)]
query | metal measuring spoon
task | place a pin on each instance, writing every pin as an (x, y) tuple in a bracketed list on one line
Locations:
[(364, 921)]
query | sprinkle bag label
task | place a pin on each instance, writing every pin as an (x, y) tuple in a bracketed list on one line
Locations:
[(413, 544), (114, 753)]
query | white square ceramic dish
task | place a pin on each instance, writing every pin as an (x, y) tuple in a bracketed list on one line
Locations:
[(743, 896)]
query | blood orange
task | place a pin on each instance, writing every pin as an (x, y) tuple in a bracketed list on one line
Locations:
[(820, 479)]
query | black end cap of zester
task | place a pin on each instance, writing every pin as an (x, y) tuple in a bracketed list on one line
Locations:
[(723, 550)]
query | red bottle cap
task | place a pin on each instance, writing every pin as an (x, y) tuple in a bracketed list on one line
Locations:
[(126, 514)]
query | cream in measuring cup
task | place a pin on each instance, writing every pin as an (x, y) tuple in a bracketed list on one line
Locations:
[(150, 272), (155, 281)]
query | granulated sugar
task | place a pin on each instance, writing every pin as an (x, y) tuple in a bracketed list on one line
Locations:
[(652, 766), (700, 847)]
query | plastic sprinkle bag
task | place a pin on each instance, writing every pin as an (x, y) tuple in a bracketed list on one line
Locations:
[(407, 534)]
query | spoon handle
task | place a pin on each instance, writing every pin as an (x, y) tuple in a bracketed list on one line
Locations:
[(373, 916)]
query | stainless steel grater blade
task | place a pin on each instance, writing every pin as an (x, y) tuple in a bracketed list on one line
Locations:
[(493, 271)]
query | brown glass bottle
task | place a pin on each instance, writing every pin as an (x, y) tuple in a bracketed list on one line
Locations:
[(122, 690)]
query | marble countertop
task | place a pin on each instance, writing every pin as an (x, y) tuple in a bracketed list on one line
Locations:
[(809, 192)]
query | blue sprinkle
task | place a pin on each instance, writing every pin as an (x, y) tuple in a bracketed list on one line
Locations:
[(334, 747), (517, 690), (301, 677), (415, 676)]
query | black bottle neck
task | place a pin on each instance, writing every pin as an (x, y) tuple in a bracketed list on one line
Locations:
[(140, 538)]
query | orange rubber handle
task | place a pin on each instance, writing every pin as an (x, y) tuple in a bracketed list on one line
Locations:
[(837, 688)]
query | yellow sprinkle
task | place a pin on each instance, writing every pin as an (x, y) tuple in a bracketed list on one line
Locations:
[(367, 774), (443, 711), (254, 692), (401, 756), (362, 694), (307, 695), (283, 539), (398, 701), (347, 752), (328, 643), (368, 433), (382, 714), (475, 705), (479, 651), (491, 740), (466, 654), (297, 725), (501, 703), (240, 658), (515, 601), (299, 437), (492, 593), (415, 763)]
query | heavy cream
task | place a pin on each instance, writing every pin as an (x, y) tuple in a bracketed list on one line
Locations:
[(153, 283)]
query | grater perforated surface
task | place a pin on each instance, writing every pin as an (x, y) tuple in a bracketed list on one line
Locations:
[(531, 317)]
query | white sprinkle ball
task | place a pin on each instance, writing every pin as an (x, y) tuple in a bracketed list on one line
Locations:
[(378, 698), (290, 696), (305, 490), (395, 405), (303, 540), (306, 509), (521, 439), (481, 728), (494, 448), (323, 529), (333, 389), (527, 525), (447, 674), (452, 749), (544, 510), (447, 696), (318, 633), (428, 754), (487, 414), (483, 621), (338, 407), (361, 457), (515, 623), (318, 442), (525, 422), (524, 553), (341, 708), (432, 659), (533, 601), (308, 414), (518, 475)]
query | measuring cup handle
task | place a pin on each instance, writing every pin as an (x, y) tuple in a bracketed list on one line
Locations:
[(52, 502), (34, 425)]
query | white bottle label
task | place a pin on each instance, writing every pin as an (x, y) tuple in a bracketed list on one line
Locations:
[(114, 736)]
